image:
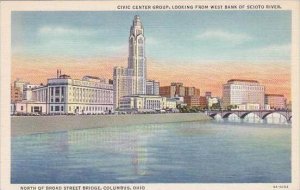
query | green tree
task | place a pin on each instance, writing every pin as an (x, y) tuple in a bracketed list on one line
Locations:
[(216, 106)]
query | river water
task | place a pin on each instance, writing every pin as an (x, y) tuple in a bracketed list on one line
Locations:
[(187, 152)]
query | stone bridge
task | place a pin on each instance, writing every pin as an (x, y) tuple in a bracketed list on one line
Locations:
[(243, 113)]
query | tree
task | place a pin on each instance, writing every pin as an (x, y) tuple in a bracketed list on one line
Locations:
[(229, 107), (216, 106)]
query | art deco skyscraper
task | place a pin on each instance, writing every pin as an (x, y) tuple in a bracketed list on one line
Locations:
[(132, 80), (136, 58)]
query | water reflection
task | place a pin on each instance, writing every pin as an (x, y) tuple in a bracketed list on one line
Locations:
[(252, 118), (187, 152), (234, 118), (131, 143), (275, 118), (218, 118)]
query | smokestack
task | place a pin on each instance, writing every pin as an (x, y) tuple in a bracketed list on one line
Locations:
[(57, 73)]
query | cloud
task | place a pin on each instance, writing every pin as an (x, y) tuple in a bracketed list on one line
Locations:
[(74, 41), (270, 52), (64, 31), (224, 36)]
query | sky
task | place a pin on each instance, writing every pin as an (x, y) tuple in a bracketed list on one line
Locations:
[(199, 48)]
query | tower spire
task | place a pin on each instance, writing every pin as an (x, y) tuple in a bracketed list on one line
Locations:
[(136, 58)]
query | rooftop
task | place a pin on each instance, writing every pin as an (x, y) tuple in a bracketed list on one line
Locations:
[(280, 95), (242, 80)]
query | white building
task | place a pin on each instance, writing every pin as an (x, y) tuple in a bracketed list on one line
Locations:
[(237, 92), (171, 103), (30, 107), (179, 101), (122, 83), (27, 91), (132, 80), (142, 103), (64, 95), (152, 87), (247, 107)]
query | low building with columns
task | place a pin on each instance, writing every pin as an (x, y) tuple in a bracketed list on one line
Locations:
[(146, 103), (63, 95)]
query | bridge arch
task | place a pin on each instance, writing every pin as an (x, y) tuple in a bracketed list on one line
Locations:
[(275, 117), (231, 116), (226, 115), (213, 115), (269, 113), (216, 116), (252, 117), (248, 113)]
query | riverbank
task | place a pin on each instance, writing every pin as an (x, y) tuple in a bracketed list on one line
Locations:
[(25, 125)]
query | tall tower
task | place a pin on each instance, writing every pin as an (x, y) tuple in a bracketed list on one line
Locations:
[(136, 58)]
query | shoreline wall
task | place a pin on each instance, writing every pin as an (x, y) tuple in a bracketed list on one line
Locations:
[(26, 125)]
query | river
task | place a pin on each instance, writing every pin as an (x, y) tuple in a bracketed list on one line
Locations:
[(186, 152)]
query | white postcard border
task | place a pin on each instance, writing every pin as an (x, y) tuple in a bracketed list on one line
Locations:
[(8, 7)]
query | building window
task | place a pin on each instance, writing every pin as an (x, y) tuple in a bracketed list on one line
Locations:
[(62, 108), (62, 91), (56, 91), (56, 108), (51, 108), (56, 99), (21, 108)]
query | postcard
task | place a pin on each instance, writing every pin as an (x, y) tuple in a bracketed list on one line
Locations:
[(149, 95)]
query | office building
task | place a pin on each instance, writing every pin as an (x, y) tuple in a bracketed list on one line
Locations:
[(238, 91), (176, 89), (167, 91), (275, 101), (15, 94), (122, 83), (20, 84), (203, 102), (192, 101), (192, 91), (132, 80), (152, 87), (16, 90)]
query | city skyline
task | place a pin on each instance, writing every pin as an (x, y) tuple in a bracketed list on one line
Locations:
[(56, 41)]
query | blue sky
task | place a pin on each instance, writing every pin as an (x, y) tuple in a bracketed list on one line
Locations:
[(173, 35)]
